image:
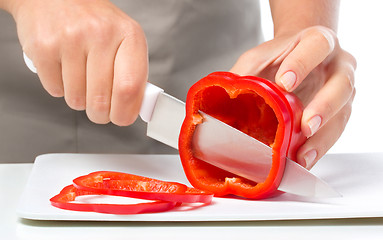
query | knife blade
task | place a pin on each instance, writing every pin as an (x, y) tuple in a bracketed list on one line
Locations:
[(234, 151), (165, 115), (226, 147)]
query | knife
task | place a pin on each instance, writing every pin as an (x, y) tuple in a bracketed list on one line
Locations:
[(221, 145)]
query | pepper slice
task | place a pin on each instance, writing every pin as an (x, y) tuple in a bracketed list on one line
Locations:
[(69, 193), (254, 106), (129, 185)]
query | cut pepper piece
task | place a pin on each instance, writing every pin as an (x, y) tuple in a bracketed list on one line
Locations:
[(65, 198), (254, 106), (129, 185)]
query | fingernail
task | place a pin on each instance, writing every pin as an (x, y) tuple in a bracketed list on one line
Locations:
[(314, 124), (288, 80), (310, 157)]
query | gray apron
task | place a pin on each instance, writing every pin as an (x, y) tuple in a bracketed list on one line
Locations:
[(187, 40)]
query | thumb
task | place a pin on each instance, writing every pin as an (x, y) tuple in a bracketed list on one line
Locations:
[(262, 58)]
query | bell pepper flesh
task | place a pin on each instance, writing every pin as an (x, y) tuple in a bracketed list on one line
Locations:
[(254, 106), (129, 185), (65, 200)]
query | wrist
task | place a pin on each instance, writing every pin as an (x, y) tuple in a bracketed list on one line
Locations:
[(289, 32), (293, 16)]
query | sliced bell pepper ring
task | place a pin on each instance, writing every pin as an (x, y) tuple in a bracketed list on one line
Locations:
[(129, 185), (254, 106), (65, 198)]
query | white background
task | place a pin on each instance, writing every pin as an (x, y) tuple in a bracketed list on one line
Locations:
[(360, 32)]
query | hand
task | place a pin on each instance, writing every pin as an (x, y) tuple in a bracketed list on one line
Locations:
[(312, 65), (90, 52)]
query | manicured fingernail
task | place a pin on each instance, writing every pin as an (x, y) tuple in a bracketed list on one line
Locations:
[(288, 80), (314, 124), (310, 157)]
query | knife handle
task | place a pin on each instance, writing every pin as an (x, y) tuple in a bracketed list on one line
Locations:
[(148, 102)]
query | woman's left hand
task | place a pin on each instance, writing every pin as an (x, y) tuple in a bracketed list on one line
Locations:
[(311, 64)]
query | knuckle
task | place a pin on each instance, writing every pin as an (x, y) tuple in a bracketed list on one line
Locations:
[(132, 29), (353, 95), (328, 108), (349, 64), (96, 29), (99, 32), (125, 94), (346, 112), (46, 47), (344, 116), (301, 67), (323, 36), (100, 104), (348, 85), (320, 145), (102, 31), (351, 59), (72, 33), (126, 90), (323, 147)]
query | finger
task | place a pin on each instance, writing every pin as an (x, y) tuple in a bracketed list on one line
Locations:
[(49, 71), (256, 60), (74, 79), (130, 77), (314, 46), (317, 145), (332, 96), (99, 81)]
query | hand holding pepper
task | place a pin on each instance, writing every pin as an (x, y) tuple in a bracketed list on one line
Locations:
[(309, 61)]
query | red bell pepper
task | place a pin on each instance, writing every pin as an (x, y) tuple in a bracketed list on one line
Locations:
[(65, 198), (129, 185), (254, 106)]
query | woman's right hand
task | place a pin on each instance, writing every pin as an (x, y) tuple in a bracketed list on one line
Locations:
[(88, 51)]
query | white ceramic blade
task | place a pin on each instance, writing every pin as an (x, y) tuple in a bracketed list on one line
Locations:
[(234, 151), (296, 180)]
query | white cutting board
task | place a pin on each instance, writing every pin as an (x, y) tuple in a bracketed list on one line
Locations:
[(358, 177)]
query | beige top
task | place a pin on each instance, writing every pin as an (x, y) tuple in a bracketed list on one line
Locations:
[(187, 40)]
